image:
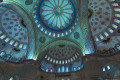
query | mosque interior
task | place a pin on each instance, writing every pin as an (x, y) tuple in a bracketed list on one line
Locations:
[(59, 39)]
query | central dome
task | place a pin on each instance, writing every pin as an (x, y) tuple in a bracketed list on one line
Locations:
[(55, 18)]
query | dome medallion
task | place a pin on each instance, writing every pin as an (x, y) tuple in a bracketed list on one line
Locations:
[(55, 18)]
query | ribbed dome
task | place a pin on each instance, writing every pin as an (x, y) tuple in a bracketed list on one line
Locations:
[(55, 18)]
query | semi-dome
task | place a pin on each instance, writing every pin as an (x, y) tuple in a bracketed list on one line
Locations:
[(104, 23), (61, 58), (104, 19), (14, 43)]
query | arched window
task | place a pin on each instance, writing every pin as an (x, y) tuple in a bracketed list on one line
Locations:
[(54, 61), (51, 70), (63, 62), (51, 60), (74, 69), (59, 70), (11, 78), (78, 68), (48, 58), (66, 61), (63, 69), (60, 62), (47, 70), (67, 69)]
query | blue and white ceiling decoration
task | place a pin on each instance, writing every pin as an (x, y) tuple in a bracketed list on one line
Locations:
[(14, 38), (56, 18), (60, 59)]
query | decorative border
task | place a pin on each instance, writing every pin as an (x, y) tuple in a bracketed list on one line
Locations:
[(52, 32), (114, 25), (10, 40)]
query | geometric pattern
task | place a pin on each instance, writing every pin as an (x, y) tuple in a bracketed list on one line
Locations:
[(105, 18), (61, 68), (13, 33), (61, 59), (55, 18), (67, 54), (12, 28)]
